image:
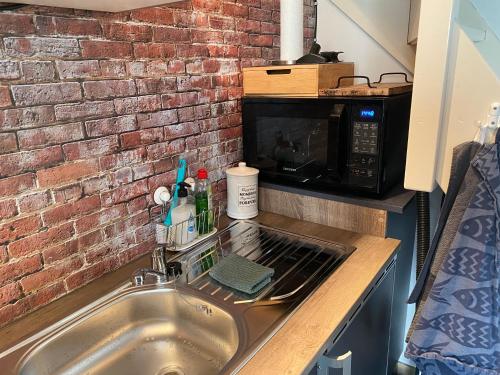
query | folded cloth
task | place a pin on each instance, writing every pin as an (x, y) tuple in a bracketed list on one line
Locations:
[(241, 274)]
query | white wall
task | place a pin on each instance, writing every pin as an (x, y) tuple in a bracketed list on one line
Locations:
[(338, 32), (473, 87)]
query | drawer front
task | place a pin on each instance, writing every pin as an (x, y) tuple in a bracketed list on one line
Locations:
[(281, 81)]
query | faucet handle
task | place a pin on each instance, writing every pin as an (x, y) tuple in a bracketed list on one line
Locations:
[(139, 277)]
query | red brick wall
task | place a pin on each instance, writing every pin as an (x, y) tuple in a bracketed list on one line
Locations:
[(95, 110)]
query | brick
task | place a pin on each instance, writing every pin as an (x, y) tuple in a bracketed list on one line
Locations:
[(11, 23), (87, 110), (8, 209), (41, 240), (250, 52), (191, 50), (190, 19), (186, 114), (205, 36), (71, 210), (250, 26), (156, 85), (185, 83), (105, 49), (10, 312), (122, 159), (130, 224), (7, 143), (4, 256), (223, 51), (95, 185), (78, 69), (66, 173), (127, 32), (171, 34), (9, 70), (121, 177), (47, 93), (206, 5), (75, 26), (38, 71), (261, 40), (156, 119), (67, 193), (132, 253), (234, 10), (141, 137), (137, 68), (90, 239), (13, 119), (55, 134), (194, 67), (113, 125), (270, 28), (164, 179), (221, 23), (9, 293), (5, 100), (109, 247), (176, 67), (153, 15), (132, 105), (181, 130), (42, 47), (49, 275), (46, 295), (157, 68), (17, 184), (143, 170), (18, 228), (137, 204), (100, 218), (179, 99), (90, 273), (125, 193), (161, 150), (34, 202), (60, 251), (16, 269), (19, 162), (109, 89), (236, 38), (112, 69), (91, 148), (259, 14), (153, 50)]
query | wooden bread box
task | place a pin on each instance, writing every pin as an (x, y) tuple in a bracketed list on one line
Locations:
[(295, 80)]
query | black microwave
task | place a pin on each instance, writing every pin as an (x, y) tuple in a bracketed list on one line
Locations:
[(353, 144)]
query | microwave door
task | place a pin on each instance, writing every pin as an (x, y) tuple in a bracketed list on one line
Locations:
[(337, 127)]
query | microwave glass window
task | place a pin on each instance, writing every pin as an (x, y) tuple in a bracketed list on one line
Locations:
[(292, 146)]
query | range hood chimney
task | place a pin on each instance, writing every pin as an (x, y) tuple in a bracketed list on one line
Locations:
[(292, 30), (100, 5)]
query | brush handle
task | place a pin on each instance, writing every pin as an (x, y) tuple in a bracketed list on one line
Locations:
[(181, 174)]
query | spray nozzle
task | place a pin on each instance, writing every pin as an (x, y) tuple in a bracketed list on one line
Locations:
[(183, 189)]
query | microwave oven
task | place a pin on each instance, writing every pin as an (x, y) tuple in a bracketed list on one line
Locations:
[(329, 144)]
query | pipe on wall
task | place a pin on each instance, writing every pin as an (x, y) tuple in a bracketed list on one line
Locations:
[(292, 29)]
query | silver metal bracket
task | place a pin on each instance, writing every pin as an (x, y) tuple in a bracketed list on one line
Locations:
[(341, 362)]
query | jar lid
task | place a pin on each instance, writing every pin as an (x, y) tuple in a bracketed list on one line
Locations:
[(242, 170)]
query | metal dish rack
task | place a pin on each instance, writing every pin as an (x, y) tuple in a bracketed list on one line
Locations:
[(175, 237), (300, 263)]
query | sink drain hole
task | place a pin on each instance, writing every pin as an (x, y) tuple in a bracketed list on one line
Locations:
[(170, 370)]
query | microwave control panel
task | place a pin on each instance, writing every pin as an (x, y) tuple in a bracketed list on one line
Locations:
[(364, 143)]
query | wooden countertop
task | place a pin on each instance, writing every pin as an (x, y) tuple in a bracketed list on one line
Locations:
[(303, 336)]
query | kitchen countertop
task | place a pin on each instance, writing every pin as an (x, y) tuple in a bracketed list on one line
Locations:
[(302, 338)]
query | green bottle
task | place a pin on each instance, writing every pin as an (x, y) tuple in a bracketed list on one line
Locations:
[(204, 213)]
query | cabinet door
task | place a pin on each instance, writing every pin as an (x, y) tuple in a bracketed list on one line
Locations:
[(367, 336)]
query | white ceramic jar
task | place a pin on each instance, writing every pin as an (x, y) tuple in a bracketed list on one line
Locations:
[(242, 192)]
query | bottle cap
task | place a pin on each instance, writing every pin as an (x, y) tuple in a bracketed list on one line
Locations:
[(182, 192), (202, 174)]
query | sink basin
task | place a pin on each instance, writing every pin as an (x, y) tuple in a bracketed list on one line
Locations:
[(140, 331)]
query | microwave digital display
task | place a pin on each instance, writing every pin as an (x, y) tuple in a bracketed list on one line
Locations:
[(367, 113)]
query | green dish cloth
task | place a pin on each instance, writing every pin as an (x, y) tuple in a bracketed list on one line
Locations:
[(241, 274)]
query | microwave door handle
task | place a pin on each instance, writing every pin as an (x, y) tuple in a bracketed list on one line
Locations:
[(334, 141)]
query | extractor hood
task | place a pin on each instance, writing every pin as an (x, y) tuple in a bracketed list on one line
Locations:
[(101, 5)]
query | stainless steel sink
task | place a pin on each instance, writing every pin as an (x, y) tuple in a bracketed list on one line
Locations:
[(140, 331), (189, 324)]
